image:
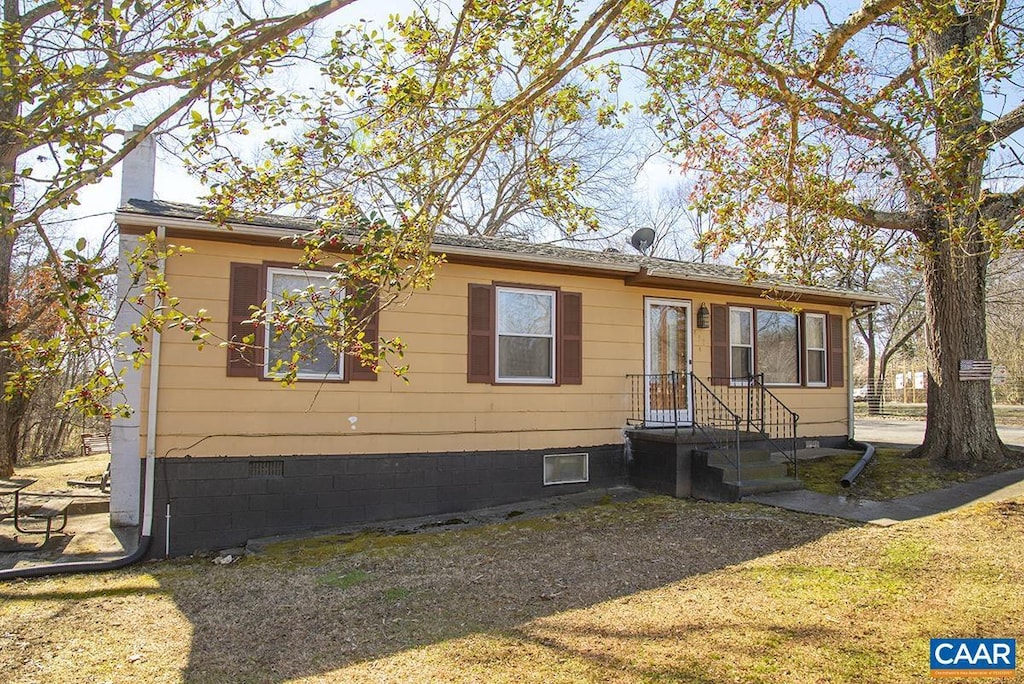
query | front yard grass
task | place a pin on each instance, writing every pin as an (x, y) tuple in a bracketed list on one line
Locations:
[(655, 590)]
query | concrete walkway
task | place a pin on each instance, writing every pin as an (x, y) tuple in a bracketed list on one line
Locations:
[(903, 433), (996, 487), (88, 537)]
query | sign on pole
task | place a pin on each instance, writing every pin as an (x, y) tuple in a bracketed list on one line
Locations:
[(1000, 374)]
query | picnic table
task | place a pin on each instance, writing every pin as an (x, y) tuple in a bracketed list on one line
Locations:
[(48, 510), (13, 488)]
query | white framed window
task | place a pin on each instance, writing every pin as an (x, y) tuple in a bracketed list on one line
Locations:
[(525, 327), (778, 347), (817, 355), (317, 360), (741, 342), (566, 468)]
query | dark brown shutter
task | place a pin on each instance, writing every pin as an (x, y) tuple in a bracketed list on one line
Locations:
[(801, 352), (836, 365), (480, 357), (719, 344), (570, 338), (247, 290), (354, 368)]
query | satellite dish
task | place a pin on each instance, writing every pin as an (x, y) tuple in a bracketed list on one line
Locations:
[(642, 240)]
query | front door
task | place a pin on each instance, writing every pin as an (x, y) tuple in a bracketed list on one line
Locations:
[(667, 362)]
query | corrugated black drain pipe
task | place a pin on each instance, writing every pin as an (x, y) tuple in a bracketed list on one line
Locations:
[(858, 467)]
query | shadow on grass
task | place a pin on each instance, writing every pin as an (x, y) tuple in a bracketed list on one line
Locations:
[(289, 615), (621, 648), (128, 591)]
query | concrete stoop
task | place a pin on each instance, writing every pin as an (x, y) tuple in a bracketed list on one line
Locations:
[(681, 465), (720, 475)]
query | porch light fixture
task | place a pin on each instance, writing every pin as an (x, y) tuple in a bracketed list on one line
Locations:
[(703, 317)]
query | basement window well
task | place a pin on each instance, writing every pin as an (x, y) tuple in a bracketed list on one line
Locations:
[(566, 468)]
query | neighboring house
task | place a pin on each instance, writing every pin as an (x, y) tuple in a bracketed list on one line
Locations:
[(518, 386)]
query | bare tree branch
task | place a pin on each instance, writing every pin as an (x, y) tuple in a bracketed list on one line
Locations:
[(841, 34)]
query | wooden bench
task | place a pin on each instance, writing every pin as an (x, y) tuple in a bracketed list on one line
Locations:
[(95, 444), (103, 483), (48, 510)]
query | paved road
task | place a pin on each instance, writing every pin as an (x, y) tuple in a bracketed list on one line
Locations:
[(880, 431)]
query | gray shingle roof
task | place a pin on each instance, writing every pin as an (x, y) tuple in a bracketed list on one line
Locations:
[(500, 247)]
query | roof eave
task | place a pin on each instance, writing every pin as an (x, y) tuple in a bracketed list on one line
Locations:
[(472, 254)]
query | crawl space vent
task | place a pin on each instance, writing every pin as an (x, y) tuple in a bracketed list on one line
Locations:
[(266, 468)]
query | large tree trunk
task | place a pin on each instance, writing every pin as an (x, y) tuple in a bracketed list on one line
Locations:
[(961, 425), (12, 410)]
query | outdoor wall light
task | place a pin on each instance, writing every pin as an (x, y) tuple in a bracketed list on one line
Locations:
[(703, 317)]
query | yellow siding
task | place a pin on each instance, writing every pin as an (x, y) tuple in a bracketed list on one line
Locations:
[(205, 413)]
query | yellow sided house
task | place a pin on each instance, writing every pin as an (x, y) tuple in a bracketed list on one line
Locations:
[(534, 371)]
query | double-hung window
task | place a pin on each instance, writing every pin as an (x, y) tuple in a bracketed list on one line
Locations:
[(303, 293), (778, 347), (524, 334), (525, 327), (784, 347), (256, 351), (817, 350), (741, 342)]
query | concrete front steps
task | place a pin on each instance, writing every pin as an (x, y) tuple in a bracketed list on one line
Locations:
[(681, 464), (725, 475)]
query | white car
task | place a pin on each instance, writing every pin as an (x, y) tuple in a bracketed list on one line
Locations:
[(860, 393)]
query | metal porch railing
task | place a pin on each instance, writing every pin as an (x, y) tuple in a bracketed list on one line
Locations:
[(664, 400), (762, 412)]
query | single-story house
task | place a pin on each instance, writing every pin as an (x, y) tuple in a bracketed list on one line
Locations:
[(529, 366)]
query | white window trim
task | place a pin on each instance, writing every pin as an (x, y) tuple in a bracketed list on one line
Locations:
[(824, 350), (586, 469), (498, 377), (267, 372), (740, 382)]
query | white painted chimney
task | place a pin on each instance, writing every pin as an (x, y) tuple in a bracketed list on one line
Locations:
[(138, 169)]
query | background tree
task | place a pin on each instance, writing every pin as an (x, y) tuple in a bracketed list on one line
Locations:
[(763, 101), (891, 329), (497, 199), (52, 361), (897, 91), (68, 74), (1006, 323), (681, 231)]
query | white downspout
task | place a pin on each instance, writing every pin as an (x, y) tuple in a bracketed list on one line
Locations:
[(849, 364), (151, 409)]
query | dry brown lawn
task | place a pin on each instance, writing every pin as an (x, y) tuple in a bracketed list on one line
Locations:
[(648, 591), (54, 475)]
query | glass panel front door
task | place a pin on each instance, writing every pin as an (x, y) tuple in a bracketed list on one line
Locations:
[(667, 352)]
